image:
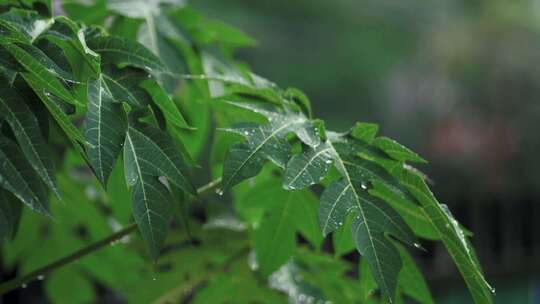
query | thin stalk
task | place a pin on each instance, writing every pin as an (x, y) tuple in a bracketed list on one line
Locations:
[(40, 272)]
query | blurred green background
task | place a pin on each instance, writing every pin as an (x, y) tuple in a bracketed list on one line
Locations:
[(456, 81)]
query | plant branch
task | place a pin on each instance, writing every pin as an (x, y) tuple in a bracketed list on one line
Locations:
[(34, 275)]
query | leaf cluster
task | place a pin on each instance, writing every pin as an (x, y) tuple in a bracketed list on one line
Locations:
[(128, 98)]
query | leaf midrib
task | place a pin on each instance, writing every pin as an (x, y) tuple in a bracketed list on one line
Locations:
[(349, 181), (165, 156), (254, 151), (145, 199), (29, 144), (308, 163)]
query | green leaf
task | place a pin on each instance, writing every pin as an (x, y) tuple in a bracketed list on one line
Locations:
[(167, 106), (266, 141), (10, 214), (105, 129), (152, 201), (365, 131), (124, 52), (308, 168), (41, 75), (71, 38), (28, 23), (26, 128), (53, 104), (18, 177), (374, 219), (368, 285), (284, 213), (396, 150), (411, 281), (158, 156), (124, 85), (149, 154), (452, 236), (342, 239), (410, 211)]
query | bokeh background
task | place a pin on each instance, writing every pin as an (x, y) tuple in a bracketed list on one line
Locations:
[(457, 81)]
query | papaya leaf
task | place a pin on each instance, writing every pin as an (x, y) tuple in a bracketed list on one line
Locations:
[(26, 128), (396, 150), (18, 177), (306, 169), (28, 23), (365, 131), (411, 281), (41, 74), (451, 235), (280, 215), (374, 219), (267, 141), (159, 156), (105, 129), (167, 106), (124, 52), (124, 85), (149, 154)]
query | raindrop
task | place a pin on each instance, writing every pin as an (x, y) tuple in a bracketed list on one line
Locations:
[(154, 279), (219, 192), (363, 186), (24, 285), (40, 277)]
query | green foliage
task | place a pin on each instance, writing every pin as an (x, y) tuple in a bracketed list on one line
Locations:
[(128, 106)]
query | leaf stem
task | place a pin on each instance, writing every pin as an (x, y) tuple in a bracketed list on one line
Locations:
[(40, 272)]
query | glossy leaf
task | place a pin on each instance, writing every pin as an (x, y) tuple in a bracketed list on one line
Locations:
[(309, 168), (124, 85), (40, 73), (105, 129), (158, 155), (452, 236), (167, 106), (124, 52), (266, 141), (149, 154), (374, 220), (396, 150), (25, 126)]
